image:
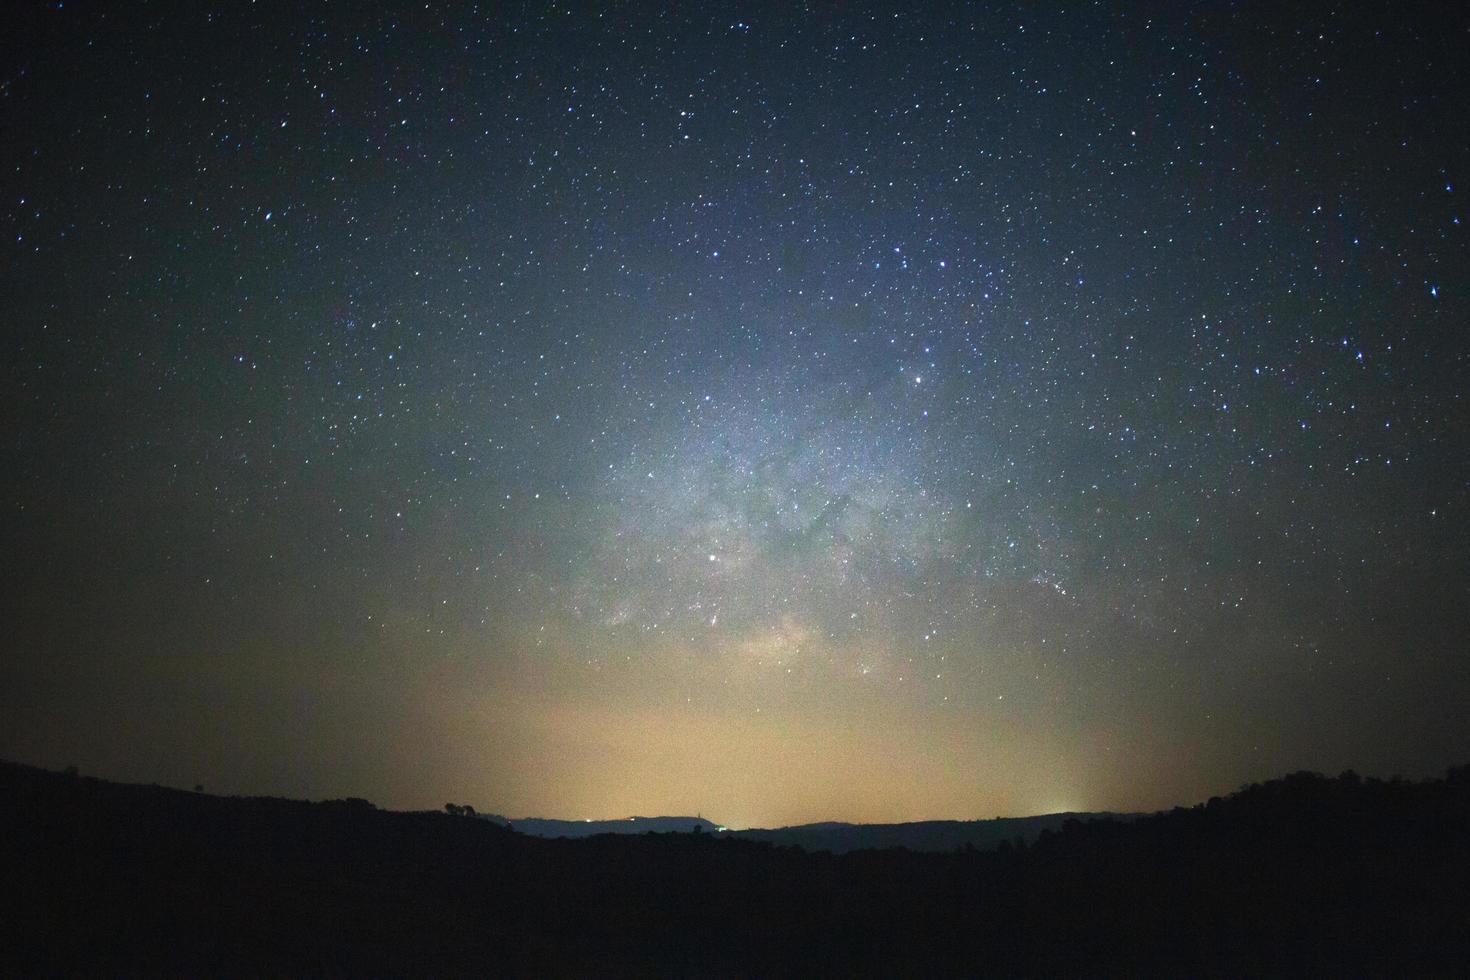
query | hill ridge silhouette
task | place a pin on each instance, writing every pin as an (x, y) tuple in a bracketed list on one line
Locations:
[(1300, 874)]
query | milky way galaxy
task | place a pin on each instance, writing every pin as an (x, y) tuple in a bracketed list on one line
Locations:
[(821, 413)]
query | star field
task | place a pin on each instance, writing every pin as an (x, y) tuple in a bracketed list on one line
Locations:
[(810, 413)]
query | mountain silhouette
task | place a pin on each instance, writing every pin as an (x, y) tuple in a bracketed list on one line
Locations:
[(544, 827), (1303, 875), (921, 835), (833, 836)]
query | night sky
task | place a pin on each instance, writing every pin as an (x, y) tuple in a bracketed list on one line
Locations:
[(778, 413)]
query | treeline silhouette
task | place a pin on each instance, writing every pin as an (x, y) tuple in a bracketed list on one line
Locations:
[(1299, 875)]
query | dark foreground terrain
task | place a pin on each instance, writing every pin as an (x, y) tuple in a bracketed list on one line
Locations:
[(1302, 875)]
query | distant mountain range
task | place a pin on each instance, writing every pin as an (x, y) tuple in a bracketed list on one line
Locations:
[(543, 827), (839, 838), (1304, 875), (923, 835)]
